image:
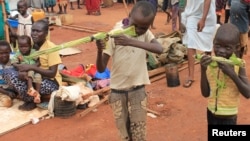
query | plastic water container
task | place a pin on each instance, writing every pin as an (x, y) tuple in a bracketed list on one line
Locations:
[(38, 14), (13, 23), (172, 75)]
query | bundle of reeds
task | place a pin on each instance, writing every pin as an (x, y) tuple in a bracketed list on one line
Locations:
[(98, 36), (233, 60)]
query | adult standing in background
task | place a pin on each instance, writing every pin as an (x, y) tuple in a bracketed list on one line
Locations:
[(12, 4), (49, 4), (166, 6), (227, 11), (93, 7), (198, 26), (239, 17), (28, 3), (2, 22), (220, 5), (175, 13), (71, 4)]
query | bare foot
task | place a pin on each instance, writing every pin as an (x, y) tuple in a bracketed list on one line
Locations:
[(35, 94)]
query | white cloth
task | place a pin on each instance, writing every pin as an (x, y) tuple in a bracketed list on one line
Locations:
[(24, 26), (51, 105), (72, 93), (193, 12)]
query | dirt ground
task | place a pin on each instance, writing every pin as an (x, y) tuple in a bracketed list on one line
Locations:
[(183, 110)]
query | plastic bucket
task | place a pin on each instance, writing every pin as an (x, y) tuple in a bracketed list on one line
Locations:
[(172, 75), (13, 23), (64, 108)]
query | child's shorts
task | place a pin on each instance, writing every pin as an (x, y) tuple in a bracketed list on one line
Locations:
[(36, 77)]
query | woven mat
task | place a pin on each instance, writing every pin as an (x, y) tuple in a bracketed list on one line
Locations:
[(12, 118)]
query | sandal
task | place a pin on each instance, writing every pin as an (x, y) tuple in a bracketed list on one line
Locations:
[(35, 94), (43, 105), (188, 83)]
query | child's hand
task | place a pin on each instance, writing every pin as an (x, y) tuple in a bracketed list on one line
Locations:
[(200, 25), (226, 68), (121, 40), (23, 67), (205, 61), (22, 75), (101, 44)]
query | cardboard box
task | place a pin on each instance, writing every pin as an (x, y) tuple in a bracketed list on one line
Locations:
[(66, 19)]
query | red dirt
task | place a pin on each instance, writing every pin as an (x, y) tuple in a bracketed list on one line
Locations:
[(183, 114)]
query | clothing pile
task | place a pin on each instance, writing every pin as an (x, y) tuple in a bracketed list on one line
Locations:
[(173, 50), (87, 73), (74, 93)]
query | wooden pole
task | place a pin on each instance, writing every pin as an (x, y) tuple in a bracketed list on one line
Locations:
[(85, 112), (6, 29)]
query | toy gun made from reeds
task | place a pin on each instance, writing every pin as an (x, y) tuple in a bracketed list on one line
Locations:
[(233, 60), (98, 36)]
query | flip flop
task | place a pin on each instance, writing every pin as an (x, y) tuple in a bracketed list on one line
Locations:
[(188, 83), (43, 105)]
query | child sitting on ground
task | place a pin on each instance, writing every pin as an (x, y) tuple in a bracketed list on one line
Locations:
[(6, 93), (223, 83), (25, 49)]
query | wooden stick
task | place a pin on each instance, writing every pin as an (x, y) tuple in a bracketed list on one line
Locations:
[(156, 71), (161, 70), (78, 29), (183, 68), (163, 75), (7, 36), (88, 28), (158, 77), (102, 91), (85, 112), (154, 112)]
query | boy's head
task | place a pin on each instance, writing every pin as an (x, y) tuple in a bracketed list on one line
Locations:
[(24, 44), (226, 40), (141, 16), (4, 52), (22, 7)]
